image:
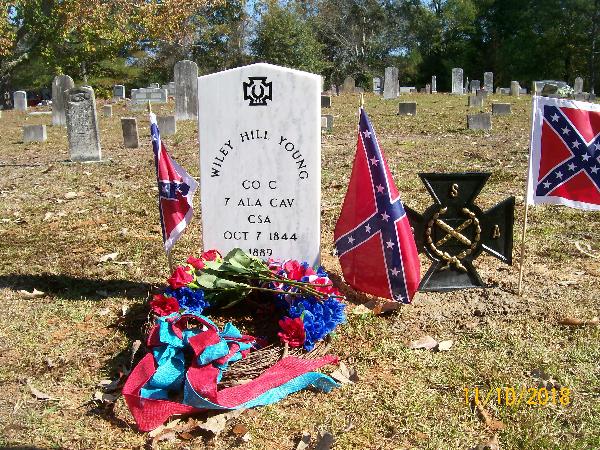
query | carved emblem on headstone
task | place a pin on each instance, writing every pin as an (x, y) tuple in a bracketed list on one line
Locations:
[(258, 91), (454, 231)]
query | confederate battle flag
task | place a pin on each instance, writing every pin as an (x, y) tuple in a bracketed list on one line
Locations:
[(373, 238), (175, 190), (564, 162)]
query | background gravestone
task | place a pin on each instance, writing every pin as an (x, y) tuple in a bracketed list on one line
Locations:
[(474, 86), (488, 81), (327, 122), (118, 92), (515, 88), (578, 85), (407, 108), (501, 109), (377, 85), (433, 84), (34, 133), (349, 85), (60, 84), (457, 80), (475, 101), (20, 100), (481, 121), (107, 111), (325, 101), (167, 125), (82, 124), (130, 132), (186, 90), (391, 83), (260, 161)]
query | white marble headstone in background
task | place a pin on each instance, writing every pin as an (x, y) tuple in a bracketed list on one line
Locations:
[(260, 161)]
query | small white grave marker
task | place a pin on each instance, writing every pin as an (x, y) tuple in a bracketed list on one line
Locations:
[(260, 161)]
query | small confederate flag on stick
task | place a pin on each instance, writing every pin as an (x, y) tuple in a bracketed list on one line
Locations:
[(373, 238), (564, 163), (175, 190)]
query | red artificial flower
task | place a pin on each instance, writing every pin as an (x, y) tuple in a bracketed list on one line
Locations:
[(324, 285), (211, 255), (196, 263), (292, 331), (181, 277), (163, 306), (293, 269)]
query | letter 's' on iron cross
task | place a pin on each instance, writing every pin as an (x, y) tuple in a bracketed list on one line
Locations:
[(454, 231)]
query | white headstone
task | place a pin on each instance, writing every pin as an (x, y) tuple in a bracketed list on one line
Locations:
[(107, 111), (515, 88), (167, 125), (578, 85), (391, 83), (34, 133), (457, 80), (20, 100), (377, 84), (433, 84), (186, 90), (260, 161), (82, 124), (60, 84)]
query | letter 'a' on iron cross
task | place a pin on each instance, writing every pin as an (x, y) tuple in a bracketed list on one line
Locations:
[(454, 231)]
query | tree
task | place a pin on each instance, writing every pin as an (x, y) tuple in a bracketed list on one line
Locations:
[(283, 38)]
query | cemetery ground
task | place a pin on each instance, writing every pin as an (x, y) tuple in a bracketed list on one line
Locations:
[(59, 220)]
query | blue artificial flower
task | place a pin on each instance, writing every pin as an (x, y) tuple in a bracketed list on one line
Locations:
[(320, 317), (190, 299)]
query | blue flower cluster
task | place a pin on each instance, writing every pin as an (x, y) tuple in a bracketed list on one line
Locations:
[(319, 317), (190, 299)]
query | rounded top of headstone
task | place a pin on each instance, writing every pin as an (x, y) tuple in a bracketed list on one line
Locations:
[(186, 62), (265, 66), (63, 78), (81, 93)]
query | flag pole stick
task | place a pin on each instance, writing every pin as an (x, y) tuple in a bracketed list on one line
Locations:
[(362, 100), (149, 107), (170, 261), (524, 231), (522, 259)]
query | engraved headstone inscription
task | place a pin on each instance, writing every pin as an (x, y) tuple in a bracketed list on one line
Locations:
[(82, 124), (260, 172), (454, 231)]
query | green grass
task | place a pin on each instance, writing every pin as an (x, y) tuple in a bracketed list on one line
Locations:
[(404, 399)]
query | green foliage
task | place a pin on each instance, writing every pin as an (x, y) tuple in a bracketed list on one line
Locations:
[(283, 38)]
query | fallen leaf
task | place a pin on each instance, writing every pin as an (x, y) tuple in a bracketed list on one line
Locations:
[(325, 441), (217, 423), (108, 257), (304, 441), (134, 349), (246, 437), (344, 374), (575, 322), (104, 397), (33, 294), (492, 444), (444, 345), (567, 283), (110, 385), (124, 309), (490, 422), (70, 195), (48, 169), (39, 394), (361, 309), (240, 429), (386, 307), (426, 342), (48, 216)]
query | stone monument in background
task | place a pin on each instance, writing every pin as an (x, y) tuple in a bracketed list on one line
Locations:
[(82, 124), (186, 90), (457, 81), (391, 83), (60, 84)]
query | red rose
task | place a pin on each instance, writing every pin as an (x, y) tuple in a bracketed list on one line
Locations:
[(196, 263), (323, 285), (211, 255), (294, 270), (181, 277), (163, 306), (292, 331)]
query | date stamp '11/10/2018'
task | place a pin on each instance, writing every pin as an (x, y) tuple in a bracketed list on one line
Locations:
[(511, 396)]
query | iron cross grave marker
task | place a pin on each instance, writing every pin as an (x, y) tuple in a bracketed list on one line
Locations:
[(454, 231)]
